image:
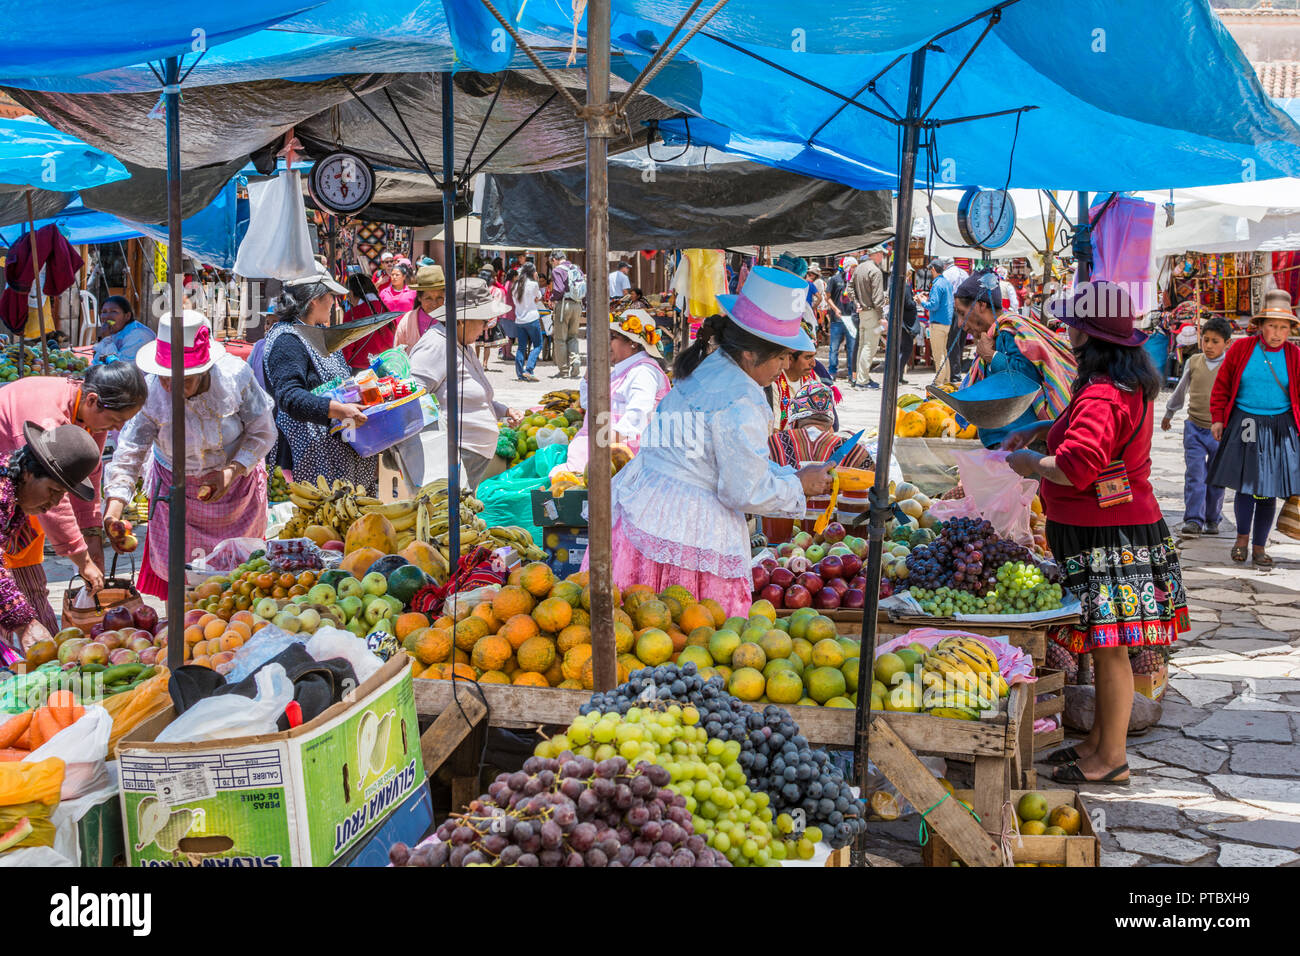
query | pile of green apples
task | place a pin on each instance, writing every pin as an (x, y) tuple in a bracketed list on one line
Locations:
[(361, 606)]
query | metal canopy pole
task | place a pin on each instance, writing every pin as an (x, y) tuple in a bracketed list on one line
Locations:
[(600, 127), (1083, 240), (885, 445), (449, 310), (176, 548)]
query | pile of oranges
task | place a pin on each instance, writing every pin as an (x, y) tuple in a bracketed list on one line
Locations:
[(536, 632), (211, 641), (243, 591)]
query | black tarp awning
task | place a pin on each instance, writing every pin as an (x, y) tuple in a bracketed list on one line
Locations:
[(662, 198)]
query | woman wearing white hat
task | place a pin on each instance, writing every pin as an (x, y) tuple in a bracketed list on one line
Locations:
[(228, 433), (679, 508), (636, 384), (293, 367)]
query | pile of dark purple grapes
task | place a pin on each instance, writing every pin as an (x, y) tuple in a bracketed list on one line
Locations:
[(570, 811), (965, 556)]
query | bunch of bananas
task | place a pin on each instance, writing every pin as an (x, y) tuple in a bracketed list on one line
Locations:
[(433, 525), (961, 679), (560, 399)]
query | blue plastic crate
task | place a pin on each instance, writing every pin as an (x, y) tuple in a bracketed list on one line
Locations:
[(386, 425)]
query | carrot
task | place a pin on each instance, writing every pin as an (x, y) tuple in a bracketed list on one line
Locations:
[(45, 724), (60, 704), (13, 753), (24, 741), (78, 712), (13, 728)]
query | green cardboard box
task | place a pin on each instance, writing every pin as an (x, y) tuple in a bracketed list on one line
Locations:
[(569, 509), (99, 834), (303, 797)]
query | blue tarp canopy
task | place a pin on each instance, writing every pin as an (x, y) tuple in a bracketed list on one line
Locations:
[(34, 154), (1107, 113)]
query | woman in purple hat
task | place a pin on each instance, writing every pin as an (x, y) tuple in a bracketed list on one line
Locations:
[(1103, 523), (680, 507)]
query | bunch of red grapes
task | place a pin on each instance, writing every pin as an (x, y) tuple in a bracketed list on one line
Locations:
[(966, 556)]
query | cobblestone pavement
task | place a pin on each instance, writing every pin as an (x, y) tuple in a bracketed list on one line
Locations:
[(1217, 780)]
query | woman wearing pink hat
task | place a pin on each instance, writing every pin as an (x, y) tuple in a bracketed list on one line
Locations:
[(1103, 522), (228, 433), (680, 507)]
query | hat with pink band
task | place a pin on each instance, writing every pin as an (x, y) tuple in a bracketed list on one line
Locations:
[(770, 305), (199, 352)]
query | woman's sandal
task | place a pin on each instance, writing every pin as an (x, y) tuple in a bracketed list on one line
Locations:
[(1262, 560), (1071, 773), (1238, 554), (1064, 755)]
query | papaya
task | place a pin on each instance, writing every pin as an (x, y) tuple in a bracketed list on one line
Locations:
[(371, 531)]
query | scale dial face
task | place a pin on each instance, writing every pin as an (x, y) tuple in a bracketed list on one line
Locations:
[(343, 183), (986, 218)]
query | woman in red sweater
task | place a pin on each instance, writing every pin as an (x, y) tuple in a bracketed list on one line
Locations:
[(1103, 523), (1255, 410)]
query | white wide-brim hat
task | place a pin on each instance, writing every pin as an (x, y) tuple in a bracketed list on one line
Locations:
[(647, 325), (200, 351), (771, 305)]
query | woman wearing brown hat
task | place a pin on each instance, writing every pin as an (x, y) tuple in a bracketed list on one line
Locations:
[(34, 479), (1103, 523), (430, 293), (1255, 404)]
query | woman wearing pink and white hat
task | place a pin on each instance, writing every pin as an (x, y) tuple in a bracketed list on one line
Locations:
[(680, 506), (228, 432)]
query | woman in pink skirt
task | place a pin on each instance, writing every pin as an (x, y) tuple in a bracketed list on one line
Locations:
[(680, 506), (228, 432)]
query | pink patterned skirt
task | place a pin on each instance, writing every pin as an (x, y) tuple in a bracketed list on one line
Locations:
[(631, 566), (241, 513)]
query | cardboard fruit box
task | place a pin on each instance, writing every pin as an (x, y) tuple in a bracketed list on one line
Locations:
[(303, 797), (570, 509), (1080, 850)]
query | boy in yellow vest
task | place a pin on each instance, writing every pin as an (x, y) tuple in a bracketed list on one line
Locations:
[(1202, 502)]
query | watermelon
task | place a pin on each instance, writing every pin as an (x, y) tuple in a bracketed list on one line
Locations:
[(16, 835), (388, 564), (405, 581), (332, 577)]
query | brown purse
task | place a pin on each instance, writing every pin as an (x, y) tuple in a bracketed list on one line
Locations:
[(116, 592)]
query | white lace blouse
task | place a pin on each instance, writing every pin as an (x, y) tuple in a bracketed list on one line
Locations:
[(230, 422)]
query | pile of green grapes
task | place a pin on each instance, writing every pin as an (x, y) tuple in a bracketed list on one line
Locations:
[(1020, 589)]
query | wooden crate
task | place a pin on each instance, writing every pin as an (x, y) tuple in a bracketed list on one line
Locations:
[(1032, 639), (1081, 850), (1051, 687), (993, 745)]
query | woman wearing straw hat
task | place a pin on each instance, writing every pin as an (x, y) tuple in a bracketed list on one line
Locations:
[(679, 508), (636, 384), (424, 456), (1103, 522), (228, 433), (293, 367), (431, 292), (1255, 404), (33, 480)]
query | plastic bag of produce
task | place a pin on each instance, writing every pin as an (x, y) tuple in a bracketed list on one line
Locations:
[(330, 642), (295, 554), (31, 782), (133, 708), (83, 748), (507, 498), (230, 715), (22, 692), (1001, 496), (228, 555), (263, 646)]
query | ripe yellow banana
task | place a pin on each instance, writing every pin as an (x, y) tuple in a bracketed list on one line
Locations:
[(305, 491)]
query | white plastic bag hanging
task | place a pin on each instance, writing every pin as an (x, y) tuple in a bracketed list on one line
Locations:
[(276, 245)]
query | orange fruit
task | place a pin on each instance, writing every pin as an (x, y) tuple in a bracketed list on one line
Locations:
[(623, 637), (555, 673), (622, 617), (468, 631), (536, 654), (529, 679), (490, 653), (719, 615), (581, 617), (700, 636), (518, 629), (679, 639), (445, 622), (588, 674), (652, 613), (537, 579), (574, 661), (748, 654), (512, 600), (747, 684), (586, 596), (429, 645), (572, 636), (409, 622), (553, 615), (653, 646), (695, 615), (567, 684), (484, 611), (193, 634), (580, 578), (514, 577), (494, 677), (460, 670), (568, 592)]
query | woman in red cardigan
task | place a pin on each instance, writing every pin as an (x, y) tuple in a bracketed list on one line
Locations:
[(1105, 529), (1255, 407)]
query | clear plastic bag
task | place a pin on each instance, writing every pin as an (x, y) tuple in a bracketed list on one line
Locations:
[(276, 245), (330, 642), (228, 555), (265, 645), (295, 554), (230, 715), (1001, 496), (83, 747)]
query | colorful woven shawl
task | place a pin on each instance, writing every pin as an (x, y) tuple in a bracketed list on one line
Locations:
[(1047, 351)]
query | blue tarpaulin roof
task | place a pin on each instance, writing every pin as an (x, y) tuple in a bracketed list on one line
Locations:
[(33, 153), (1109, 113)]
